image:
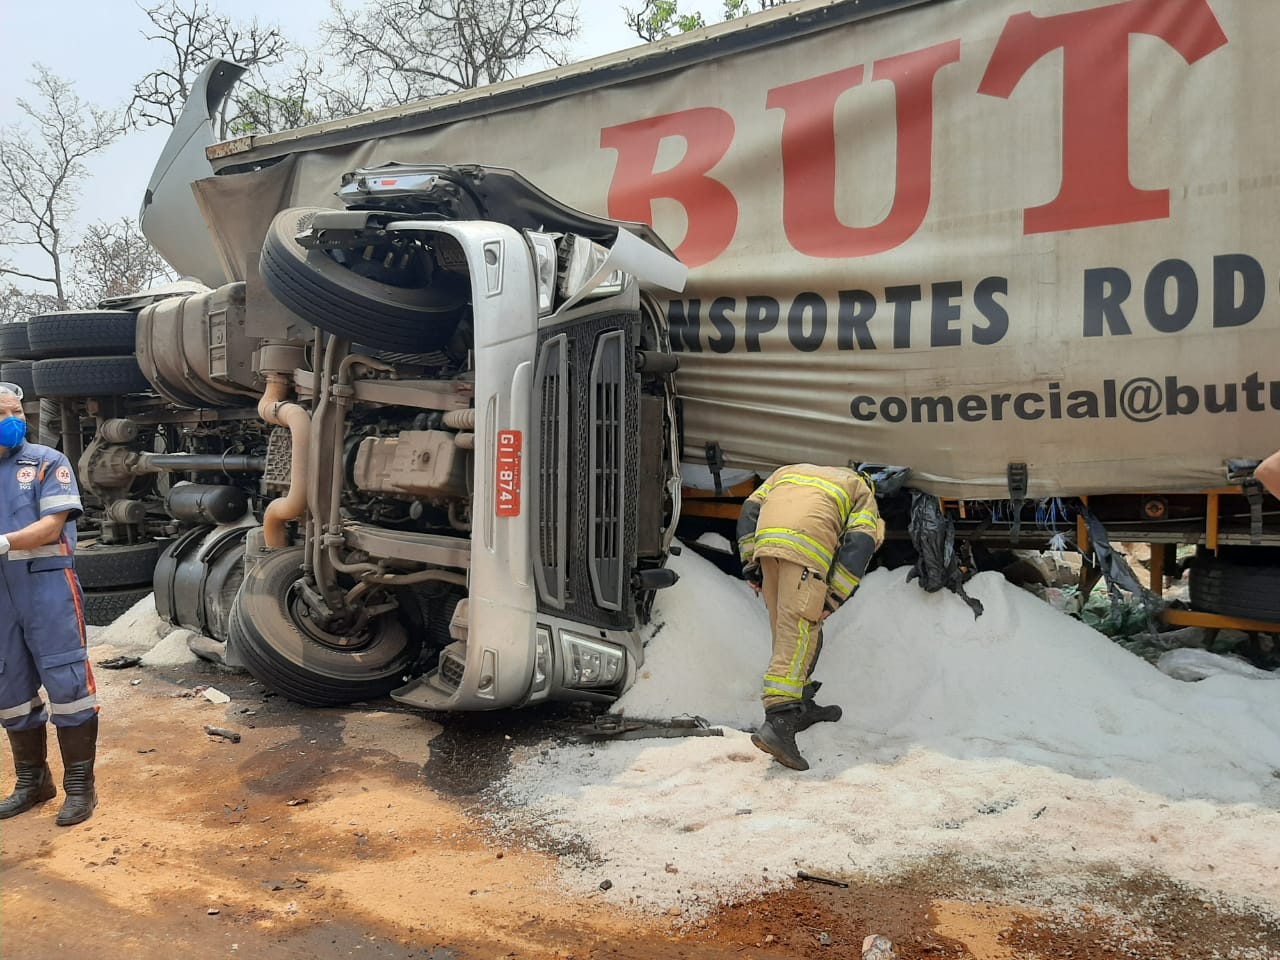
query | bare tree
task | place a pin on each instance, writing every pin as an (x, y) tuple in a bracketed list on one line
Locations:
[(192, 36), (403, 50), (42, 162), (658, 19), (114, 259)]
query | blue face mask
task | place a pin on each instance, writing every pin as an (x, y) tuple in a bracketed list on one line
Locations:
[(12, 432)]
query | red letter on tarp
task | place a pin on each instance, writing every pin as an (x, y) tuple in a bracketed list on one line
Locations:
[(1096, 189), (809, 155), (710, 207)]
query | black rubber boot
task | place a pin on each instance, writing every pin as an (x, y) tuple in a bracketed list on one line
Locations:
[(79, 747), (812, 712), (35, 781), (777, 735)]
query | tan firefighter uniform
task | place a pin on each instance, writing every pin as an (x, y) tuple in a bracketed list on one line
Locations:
[(810, 531)]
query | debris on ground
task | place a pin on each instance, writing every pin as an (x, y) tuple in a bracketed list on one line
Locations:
[(224, 733), (119, 663), (615, 727), (876, 947), (814, 878)]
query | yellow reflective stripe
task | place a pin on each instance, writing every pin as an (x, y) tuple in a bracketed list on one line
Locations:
[(839, 494), (782, 536), (792, 685), (842, 582), (782, 687), (802, 648), (863, 518)]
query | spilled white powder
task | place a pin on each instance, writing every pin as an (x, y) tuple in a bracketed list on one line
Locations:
[(136, 630), (1022, 739)]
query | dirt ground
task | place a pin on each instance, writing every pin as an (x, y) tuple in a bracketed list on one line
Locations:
[(354, 833)]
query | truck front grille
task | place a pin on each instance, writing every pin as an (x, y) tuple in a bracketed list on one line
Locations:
[(551, 454), (593, 485), (609, 428)]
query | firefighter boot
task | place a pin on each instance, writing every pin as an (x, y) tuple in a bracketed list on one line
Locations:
[(811, 713), (777, 735), (79, 747), (35, 782)]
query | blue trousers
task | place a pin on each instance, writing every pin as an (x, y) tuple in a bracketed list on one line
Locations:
[(42, 643)]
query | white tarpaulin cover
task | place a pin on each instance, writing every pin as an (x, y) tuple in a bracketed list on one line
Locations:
[(949, 236)]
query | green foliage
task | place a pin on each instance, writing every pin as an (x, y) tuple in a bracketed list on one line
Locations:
[(658, 19)]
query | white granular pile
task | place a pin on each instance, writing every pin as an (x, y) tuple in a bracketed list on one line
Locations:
[(171, 651), (136, 630), (1022, 739)]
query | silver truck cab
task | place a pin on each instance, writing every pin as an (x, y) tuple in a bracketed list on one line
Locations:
[(472, 480)]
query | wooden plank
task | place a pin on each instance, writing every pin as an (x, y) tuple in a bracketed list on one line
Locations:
[(716, 511)]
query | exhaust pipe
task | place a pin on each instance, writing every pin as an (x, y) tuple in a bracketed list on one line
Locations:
[(275, 410)]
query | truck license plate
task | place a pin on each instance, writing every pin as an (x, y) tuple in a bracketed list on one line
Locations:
[(510, 444)]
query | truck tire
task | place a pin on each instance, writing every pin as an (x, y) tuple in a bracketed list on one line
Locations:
[(103, 607), (103, 565), (89, 377), (292, 657), (1235, 590), (19, 372), (82, 333), (13, 341), (333, 298)]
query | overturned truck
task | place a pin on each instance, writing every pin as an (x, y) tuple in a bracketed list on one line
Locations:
[(427, 449)]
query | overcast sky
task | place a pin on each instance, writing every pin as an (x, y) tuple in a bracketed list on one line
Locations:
[(99, 46)]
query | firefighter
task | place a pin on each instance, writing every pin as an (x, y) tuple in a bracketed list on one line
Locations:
[(805, 538), (42, 636)]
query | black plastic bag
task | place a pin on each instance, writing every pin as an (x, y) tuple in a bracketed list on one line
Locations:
[(938, 563)]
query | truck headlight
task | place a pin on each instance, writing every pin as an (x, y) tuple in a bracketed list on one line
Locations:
[(590, 663), (544, 253), (583, 260)]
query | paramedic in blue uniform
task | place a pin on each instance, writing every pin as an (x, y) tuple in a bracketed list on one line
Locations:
[(42, 638)]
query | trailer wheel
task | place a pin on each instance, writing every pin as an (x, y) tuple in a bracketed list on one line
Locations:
[(292, 656), (338, 300), (89, 377), (116, 565), (1234, 589), (82, 333), (103, 607), (19, 372), (13, 341)]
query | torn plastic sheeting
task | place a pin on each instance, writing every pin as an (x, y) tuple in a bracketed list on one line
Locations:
[(1116, 570), (885, 480), (1192, 664)]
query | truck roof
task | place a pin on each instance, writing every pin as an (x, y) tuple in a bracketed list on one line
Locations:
[(794, 19)]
